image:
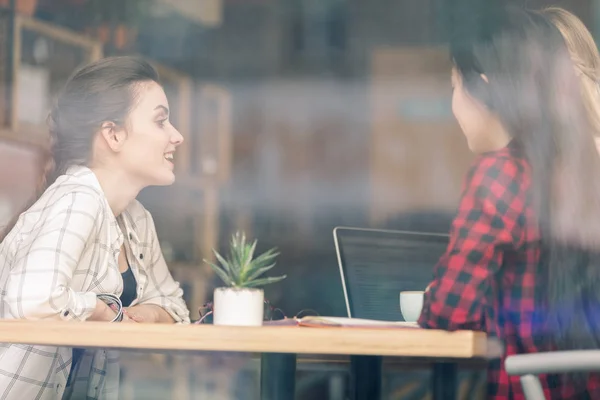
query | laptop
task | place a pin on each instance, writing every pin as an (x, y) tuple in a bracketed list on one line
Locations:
[(376, 265)]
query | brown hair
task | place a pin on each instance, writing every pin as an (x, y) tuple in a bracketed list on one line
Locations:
[(585, 57), (104, 90)]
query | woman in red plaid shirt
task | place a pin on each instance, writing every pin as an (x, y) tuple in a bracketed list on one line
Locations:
[(521, 264)]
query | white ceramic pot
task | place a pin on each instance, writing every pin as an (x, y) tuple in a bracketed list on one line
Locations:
[(238, 307)]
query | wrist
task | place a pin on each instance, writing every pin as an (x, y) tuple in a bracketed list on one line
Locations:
[(111, 308), (102, 312), (110, 313)]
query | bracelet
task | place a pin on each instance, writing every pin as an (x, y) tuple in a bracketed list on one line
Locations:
[(113, 302)]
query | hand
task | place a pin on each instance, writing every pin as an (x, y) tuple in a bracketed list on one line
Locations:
[(102, 312), (143, 313), (106, 313), (128, 319)]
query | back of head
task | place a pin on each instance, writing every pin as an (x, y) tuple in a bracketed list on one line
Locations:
[(103, 91), (585, 56), (531, 86), (521, 55)]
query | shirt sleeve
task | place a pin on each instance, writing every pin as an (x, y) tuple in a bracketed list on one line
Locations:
[(38, 285), (162, 289), (488, 221)]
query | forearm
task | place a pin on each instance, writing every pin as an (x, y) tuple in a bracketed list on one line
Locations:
[(440, 312), (151, 313), (162, 316), (29, 299), (168, 309), (456, 296)]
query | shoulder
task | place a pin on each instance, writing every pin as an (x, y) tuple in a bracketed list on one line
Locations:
[(78, 189), (70, 196), (76, 208), (499, 173), (497, 185)]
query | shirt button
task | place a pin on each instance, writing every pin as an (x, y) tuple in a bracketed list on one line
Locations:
[(130, 236), (66, 313), (141, 256)]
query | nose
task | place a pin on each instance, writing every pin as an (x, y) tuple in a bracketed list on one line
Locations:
[(176, 137)]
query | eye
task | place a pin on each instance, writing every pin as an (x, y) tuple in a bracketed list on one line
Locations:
[(162, 122)]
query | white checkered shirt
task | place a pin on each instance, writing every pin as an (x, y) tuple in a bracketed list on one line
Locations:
[(61, 253)]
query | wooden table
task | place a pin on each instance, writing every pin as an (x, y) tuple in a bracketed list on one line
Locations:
[(278, 344)]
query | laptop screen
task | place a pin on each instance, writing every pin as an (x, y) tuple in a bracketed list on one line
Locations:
[(376, 265)]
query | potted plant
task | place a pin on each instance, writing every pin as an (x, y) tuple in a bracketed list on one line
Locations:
[(241, 302)]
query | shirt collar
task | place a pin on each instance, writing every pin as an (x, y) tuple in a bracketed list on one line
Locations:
[(86, 175), (129, 226)]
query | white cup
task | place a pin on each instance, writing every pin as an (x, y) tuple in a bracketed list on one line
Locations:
[(411, 304)]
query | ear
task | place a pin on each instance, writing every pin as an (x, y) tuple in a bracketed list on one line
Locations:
[(113, 135), (485, 78)]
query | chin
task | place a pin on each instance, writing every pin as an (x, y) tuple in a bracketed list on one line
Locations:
[(475, 150), (472, 146)]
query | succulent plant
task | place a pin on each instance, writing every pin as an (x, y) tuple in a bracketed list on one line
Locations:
[(241, 269)]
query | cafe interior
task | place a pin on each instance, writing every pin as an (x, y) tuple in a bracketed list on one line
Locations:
[(299, 116)]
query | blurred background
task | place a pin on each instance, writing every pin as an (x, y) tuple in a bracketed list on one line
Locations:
[(298, 116)]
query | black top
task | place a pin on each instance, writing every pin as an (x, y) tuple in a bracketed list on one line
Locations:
[(127, 297), (129, 288)]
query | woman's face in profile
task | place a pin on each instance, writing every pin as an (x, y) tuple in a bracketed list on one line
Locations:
[(151, 141), (476, 121)]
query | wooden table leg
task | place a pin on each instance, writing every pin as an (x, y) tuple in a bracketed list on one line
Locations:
[(277, 376), (365, 377), (445, 381)]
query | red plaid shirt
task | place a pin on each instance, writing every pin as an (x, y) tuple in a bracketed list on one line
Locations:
[(488, 278)]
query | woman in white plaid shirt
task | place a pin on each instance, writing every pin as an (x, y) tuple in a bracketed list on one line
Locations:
[(86, 238)]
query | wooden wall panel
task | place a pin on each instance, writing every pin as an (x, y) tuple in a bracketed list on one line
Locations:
[(19, 174), (418, 154)]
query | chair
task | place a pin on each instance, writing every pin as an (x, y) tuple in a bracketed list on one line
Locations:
[(528, 366)]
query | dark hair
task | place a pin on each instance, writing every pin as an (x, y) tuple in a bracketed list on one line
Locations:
[(534, 91), (104, 90)]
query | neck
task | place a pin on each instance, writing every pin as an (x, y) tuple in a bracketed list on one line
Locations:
[(499, 138), (119, 189)]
